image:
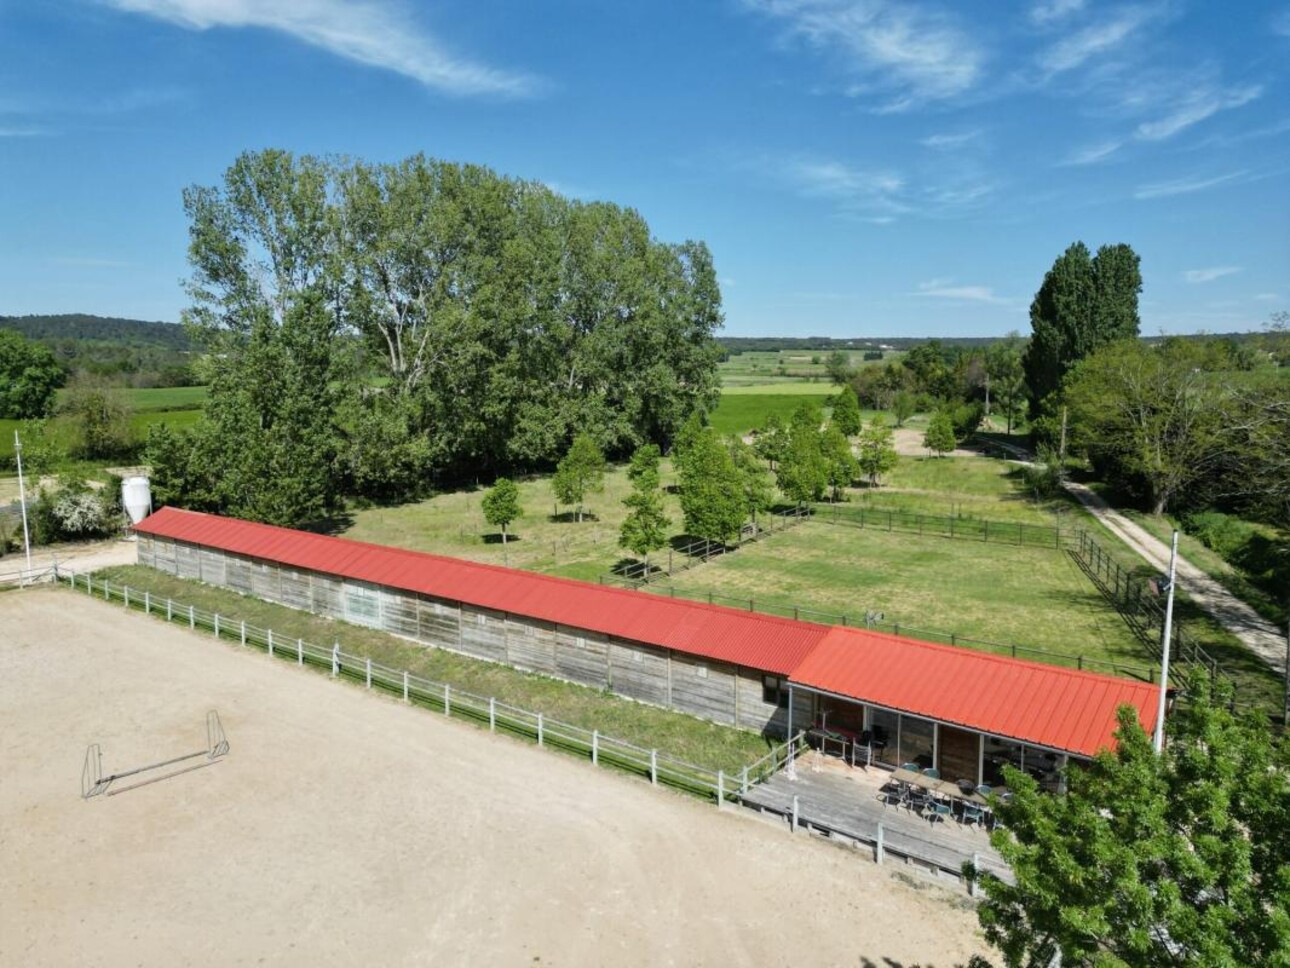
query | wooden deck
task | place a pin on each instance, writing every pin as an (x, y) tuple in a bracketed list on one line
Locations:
[(840, 801)]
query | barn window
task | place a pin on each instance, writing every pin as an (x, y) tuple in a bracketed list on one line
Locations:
[(637, 657), (702, 671), (773, 692)]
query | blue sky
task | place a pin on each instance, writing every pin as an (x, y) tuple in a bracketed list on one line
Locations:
[(858, 167)]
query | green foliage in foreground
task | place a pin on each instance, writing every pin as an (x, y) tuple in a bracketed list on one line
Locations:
[(501, 505), (684, 737), (1153, 860), (580, 472)]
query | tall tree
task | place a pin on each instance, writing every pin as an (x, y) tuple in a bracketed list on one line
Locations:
[(1084, 302), (877, 451), (269, 303), (772, 440), (1007, 377), (838, 365), (755, 483), (580, 472), (803, 472), (1149, 417), (839, 460), (29, 377), (939, 436), (1153, 860), (501, 505), (712, 497), (645, 528), (100, 418), (846, 412)]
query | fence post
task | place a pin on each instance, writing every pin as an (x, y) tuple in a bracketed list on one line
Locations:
[(244, 631), (405, 685), (878, 849), (147, 603), (721, 788), (743, 781), (335, 659), (126, 594), (492, 714), (653, 767), (217, 625), (793, 826), (369, 672), (300, 652), (270, 637), (539, 729), (107, 590), (89, 585), (985, 534), (595, 747), (447, 699), (976, 863), (192, 617)]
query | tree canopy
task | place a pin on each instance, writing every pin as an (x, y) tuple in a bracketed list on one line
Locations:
[(1084, 302), (645, 528), (29, 377), (846, 412), (501, 505), (712, 490), (939, 436), (1179, 858), (580, 472), (877, 451), (369, 328), (803, 472)]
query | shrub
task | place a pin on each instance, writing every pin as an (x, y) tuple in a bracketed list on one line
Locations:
[(1222, 533)]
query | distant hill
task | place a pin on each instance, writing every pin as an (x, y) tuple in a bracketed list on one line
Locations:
[(103, 329), (125, 352)]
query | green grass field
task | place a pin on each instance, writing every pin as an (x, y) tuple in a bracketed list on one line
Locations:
[(545, 539), (1025, 596), (179, 407), (974, 487), (685, 737), (773, 366)]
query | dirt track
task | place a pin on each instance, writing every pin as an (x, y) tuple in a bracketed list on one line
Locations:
[(344, 828)]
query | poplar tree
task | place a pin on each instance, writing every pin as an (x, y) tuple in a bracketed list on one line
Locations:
[(846, 412), (645, 527), (580, 472), (877, 451)]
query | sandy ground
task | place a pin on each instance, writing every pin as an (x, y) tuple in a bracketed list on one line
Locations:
[(80, 557), (346, 828)]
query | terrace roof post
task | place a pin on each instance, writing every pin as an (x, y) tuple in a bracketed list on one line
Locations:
[(1159, 738), (790, 765)]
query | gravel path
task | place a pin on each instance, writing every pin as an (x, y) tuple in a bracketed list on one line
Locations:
[(1263, 639)]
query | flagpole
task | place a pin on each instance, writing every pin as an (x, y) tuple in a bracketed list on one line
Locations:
[(1159, 739), (22, 498)]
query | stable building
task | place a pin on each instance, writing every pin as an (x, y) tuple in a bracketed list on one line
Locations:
[(965, 712)]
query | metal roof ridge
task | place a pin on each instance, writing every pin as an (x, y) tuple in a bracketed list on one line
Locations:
[(503, 569), (1004, 659)]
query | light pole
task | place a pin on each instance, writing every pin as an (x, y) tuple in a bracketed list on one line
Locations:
[(22, 498), (1158, 741)]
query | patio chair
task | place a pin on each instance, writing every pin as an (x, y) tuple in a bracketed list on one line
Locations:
[(971, 813), (932, 773), (917, 799), (912, 767), (892, 794), (940, 809)]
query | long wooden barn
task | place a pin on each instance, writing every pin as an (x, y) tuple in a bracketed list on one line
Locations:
[(964, 711)]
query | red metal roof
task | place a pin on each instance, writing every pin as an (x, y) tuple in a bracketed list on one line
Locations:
[(1042, 704), (762, 642)]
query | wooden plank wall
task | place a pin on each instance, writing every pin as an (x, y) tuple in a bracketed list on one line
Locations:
[(702, 688), (638, 671), (582, 656), (439, 623), (189, 560), (144, 553), (710, 690), (483, 633)]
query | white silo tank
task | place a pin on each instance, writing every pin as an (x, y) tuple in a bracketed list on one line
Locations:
[(136, 496)]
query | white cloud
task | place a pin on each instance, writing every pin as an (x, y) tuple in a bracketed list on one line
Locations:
[(1210, 274), (1094, 40), (23, 132), (1194, 108), (948, 142), (900, 48), (1186, 186), (942, 289), (369, 32), (1267, 296), (1093, 153), (1047, 11)]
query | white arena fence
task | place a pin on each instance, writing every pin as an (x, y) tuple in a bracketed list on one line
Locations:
[(499, 717), (27, 576)]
